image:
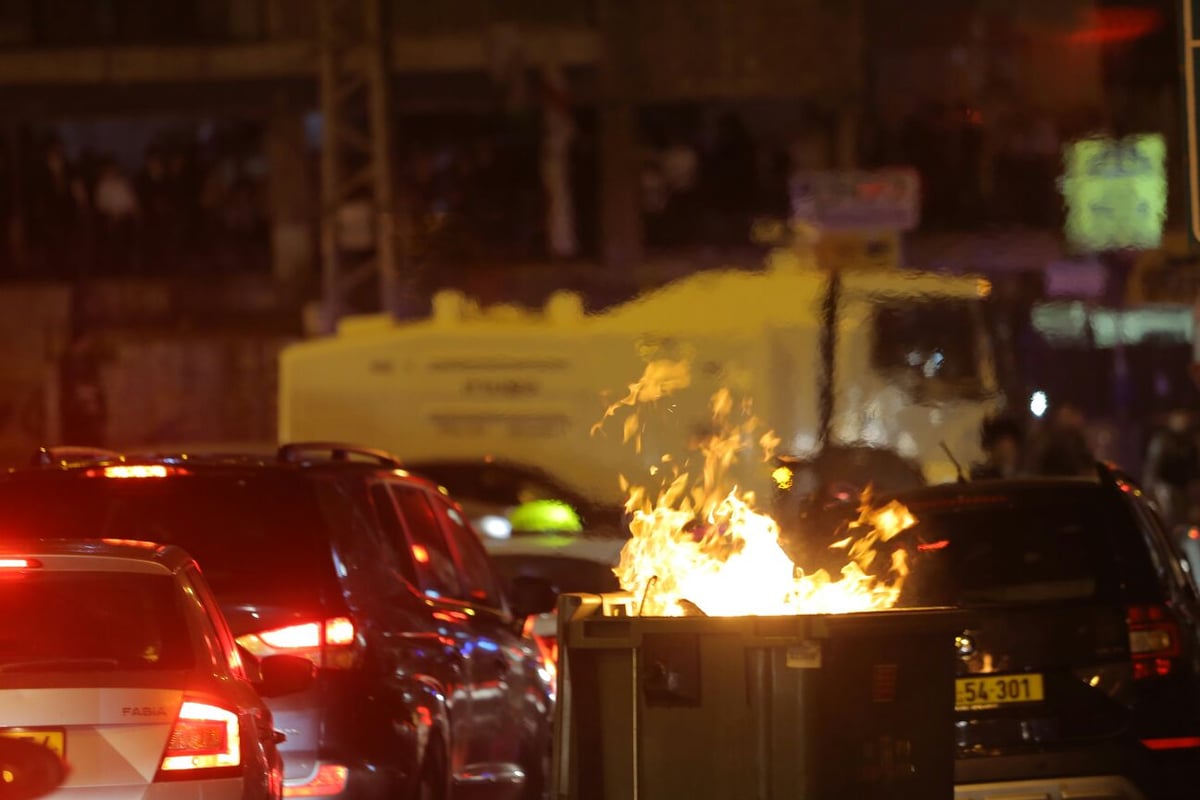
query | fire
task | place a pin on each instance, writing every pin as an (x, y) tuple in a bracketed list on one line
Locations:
[(700, 546)]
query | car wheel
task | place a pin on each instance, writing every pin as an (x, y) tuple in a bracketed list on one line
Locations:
[(433, 783), (537, 775)]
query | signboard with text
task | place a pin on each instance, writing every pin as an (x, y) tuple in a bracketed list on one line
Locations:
[(888, 199), (1116, 192)]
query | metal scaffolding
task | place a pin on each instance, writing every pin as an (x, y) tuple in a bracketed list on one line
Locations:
[(358, 210)]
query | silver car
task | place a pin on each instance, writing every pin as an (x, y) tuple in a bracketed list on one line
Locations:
[(115, 657)]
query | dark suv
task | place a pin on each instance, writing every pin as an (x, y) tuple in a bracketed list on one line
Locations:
[(1080, 674), (425, 683)]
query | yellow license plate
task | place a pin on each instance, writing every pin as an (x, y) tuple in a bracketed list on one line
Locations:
[(53, 740), (989, 691)]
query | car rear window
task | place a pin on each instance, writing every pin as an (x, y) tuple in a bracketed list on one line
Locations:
[(563, 573), (92, 621), (256, 537), (1035, 548)]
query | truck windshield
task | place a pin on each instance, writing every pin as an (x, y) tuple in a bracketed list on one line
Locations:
[(932, 348)]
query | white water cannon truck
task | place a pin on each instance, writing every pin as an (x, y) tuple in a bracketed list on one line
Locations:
[(887, 359)]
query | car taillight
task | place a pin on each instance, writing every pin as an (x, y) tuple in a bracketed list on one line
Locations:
[(1153, 641), (205, 737), (547, 649), (329, 644), (135, 471), (1173, 743), (329, 779)]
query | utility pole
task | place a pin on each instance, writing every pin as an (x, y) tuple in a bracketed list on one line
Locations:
[(358, 208), (620, 201)]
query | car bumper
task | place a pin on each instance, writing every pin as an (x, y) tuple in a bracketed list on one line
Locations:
[(333, 779), (1095, 787), (217, 789), (1104, 773)]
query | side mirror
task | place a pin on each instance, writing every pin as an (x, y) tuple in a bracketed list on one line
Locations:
[(531, 596), (282, 675), (545, 516)]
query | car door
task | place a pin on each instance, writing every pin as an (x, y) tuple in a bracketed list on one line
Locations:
[(503, 654), (1173, 568), (225, 650), (439, 578), (432, 626)]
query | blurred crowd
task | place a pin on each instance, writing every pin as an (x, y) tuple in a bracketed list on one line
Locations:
[(497, 190), (473, 199), (1062, 446), (186, 206), (980, 170)]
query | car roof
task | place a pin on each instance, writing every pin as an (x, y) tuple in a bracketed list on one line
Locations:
[(106, 555), (481, 462), (475, 465), (602, 550), (1012, 488), (214, 464)]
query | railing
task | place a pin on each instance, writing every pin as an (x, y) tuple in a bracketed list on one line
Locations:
[(66, 23), (71, 23)]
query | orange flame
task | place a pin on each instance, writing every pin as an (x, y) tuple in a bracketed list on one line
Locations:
[(701, 547)]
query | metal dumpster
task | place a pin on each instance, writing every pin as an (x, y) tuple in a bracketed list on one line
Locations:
[(771, 708)]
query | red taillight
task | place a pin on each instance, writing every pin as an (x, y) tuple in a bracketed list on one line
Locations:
[(329, 779), (19, 563), (293, 637), (1174, 743), (1153, 641), (339, 631), (135, 471), (547, 648), (327, 644), (133, 543), (205, 737)]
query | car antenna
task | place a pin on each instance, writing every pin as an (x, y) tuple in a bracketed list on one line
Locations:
[(962, 476)]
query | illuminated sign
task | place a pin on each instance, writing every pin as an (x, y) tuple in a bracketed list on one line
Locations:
[(1116, 192), (888, 199)]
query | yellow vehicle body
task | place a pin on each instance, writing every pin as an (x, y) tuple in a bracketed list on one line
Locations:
[(528, 387)]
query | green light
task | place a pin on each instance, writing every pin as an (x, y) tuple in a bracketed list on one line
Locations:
[(1116, 192), (542, 516)]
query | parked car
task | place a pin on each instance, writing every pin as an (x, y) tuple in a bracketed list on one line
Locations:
[(531, 564), (116, 659), (1080, 675), (425, 682), (503, 498)]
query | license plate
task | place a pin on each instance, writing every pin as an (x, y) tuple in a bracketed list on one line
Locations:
[(52, 739), (995, 690)]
